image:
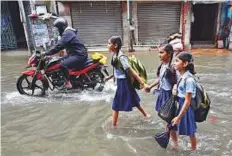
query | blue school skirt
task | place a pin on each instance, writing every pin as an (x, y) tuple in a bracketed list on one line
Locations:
[(187, 125), (163, 96), (125, 97)]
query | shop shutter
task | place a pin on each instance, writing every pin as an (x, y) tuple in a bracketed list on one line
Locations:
[(97, 21), (157, 20)]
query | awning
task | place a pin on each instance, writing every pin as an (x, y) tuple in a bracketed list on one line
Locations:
[(209, 1)]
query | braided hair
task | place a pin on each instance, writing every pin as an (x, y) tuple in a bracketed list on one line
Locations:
[(168, 49)]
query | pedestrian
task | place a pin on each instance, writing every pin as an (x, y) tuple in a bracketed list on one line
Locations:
[(186, 91), (126, 96), (225, 32), (166, 79)]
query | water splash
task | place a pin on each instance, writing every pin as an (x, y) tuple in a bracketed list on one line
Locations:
[(14, 98)]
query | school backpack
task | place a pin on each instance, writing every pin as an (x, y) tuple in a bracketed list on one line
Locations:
[(138, 67), (201, 103), (170, 74)]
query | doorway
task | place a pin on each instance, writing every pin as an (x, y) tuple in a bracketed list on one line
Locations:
[(203, 28), (17, 24)]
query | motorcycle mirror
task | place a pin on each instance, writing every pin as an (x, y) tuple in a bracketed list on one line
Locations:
[(37, 53)]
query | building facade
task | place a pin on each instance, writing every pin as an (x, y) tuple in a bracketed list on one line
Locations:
[(199, 21)]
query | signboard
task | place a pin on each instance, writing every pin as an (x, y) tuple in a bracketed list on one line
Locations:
[(41, 9), (40, 33)]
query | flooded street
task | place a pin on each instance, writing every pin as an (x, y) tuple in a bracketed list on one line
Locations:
[(76, 124)]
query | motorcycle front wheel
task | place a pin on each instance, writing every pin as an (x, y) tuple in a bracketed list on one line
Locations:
[(27, 86)]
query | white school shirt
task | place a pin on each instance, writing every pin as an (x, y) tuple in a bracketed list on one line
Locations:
[(187, 84), (118, 74)]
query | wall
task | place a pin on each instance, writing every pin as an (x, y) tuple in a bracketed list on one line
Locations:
[(133, 7), (186, 19), (64, 11), (125, 24), (135, 17)]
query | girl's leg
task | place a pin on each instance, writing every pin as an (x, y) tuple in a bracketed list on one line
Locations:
[(115, 118), (174, 138), (143, 111), (193, 141)]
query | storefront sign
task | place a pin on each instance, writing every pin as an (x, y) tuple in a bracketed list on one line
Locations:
[(40, 33)]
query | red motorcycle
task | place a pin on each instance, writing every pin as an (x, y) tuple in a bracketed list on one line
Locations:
[(46, 74)]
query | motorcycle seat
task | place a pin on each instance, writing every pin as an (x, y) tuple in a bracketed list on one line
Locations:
[(88, 62)]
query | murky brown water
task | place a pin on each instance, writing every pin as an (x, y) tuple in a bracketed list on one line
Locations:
[(79, 123)]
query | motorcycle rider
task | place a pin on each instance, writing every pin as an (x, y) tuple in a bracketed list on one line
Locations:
[(76, 51)]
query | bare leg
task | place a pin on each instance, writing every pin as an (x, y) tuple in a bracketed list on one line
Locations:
[(143, 111), (174, 139), (115, 118), (193, 141)]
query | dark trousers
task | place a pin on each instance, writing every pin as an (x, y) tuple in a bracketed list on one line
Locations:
[(71, 62)]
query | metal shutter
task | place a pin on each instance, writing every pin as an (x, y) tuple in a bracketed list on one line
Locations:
[(8, 38), (157, 20), (97, 21)]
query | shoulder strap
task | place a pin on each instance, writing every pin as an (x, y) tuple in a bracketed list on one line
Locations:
[(120, 67), (158, 70), (113, 68), (185, 79), (178, 85), (192, 77), (121, 56), (164, 72)]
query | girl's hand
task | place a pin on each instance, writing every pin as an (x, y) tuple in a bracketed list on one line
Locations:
[(108, 78), (175, 121), (144, 86), (174, 90), (147, 89)]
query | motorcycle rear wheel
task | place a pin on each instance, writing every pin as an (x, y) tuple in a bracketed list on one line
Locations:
[(24, 86), (98, 79)]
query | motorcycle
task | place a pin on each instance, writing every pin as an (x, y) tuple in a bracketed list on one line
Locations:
[(44, 73)]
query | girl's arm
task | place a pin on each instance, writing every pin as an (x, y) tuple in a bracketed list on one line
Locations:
[(155, 83), (185, 107), (109, 77), (136, 76), (183, 110)]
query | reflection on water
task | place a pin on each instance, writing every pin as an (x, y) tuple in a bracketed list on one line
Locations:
[(80, 123)]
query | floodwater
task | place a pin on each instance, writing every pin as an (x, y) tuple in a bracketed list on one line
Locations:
[(80, 123)]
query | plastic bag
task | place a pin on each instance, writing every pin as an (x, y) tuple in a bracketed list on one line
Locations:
[(230, 45), (220, 44), (168, 110), (162, 138)]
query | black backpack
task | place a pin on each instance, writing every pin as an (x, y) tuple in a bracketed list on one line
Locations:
[(170, 74), (201, 103)]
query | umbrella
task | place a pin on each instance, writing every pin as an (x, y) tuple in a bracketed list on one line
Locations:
[(163, 137)]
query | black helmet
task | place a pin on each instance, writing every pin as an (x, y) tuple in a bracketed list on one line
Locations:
[(61, 24)]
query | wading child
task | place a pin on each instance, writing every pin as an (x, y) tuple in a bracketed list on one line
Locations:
[(186, 90), (166, 79), (126, 96)]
